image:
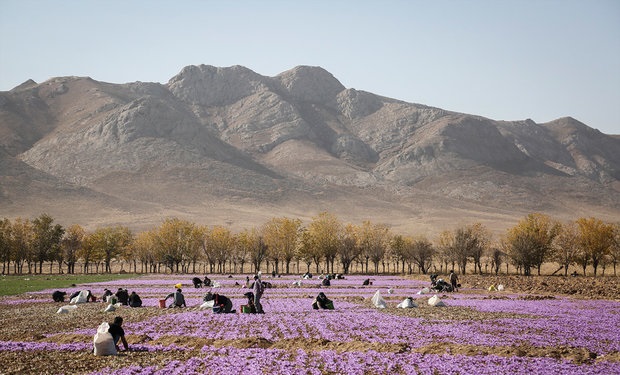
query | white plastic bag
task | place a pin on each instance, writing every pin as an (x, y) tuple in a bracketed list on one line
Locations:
[(110, 308), (103, 341), (435, 301), (378, 301), (81, 298), (65, 309), (424, 290), (207, 305), (500, 287), (407, 303)]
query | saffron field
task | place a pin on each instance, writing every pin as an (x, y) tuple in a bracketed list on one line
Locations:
[(477, 332)]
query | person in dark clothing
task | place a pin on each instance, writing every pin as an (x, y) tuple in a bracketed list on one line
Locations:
[(59, 296), (207, 281), (178, 299), (106, 294), (454, 280), (258, 290), (367, 282), (135, 300), (250, 297), (118, 333), (197, 282), (326, 282), (221, 304), (322, 302), (123, 296)]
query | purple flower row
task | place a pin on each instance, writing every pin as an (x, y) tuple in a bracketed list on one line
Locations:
[(274, 361)]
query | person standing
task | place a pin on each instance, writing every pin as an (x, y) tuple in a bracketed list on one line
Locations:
[(454, 280), (258, 293)]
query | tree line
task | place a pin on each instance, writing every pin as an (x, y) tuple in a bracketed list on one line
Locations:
[(285, 245)]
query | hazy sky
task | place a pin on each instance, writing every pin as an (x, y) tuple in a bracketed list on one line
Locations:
[(502, 59)]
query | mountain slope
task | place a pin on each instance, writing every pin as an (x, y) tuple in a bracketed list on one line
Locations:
[(229, 145)]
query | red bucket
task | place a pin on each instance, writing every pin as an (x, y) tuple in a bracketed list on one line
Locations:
[(162, 303)]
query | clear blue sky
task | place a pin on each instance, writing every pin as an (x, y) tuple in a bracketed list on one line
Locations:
[(506, 60)]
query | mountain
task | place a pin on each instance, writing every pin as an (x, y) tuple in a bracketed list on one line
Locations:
[(230, 146)]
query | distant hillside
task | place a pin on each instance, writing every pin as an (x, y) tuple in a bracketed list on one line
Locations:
[(230, 146)]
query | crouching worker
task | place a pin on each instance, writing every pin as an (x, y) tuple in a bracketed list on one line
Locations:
[(178, 299), (118, 333), (250, 305), (135, 300), (59, 296), (197, 282), (221, 304), (322, 302)]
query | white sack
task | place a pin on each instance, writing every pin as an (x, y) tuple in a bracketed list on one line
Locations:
[(390, 291), (65, 309), (378, 301), (110, 308), (81, 298), (424, 290), (500, 287), (207, 305), (103, 341), (435, 301), (407, 303)]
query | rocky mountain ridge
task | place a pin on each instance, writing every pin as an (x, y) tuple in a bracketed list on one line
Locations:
[(229, 145)]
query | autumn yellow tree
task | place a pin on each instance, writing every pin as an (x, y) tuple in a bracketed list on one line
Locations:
[(373, 240), (595, 240), (422, 253), (531, 241), (614, 251), (71, 244), (176, 242), (109, 242), (325, 231), (143, 251), (21, 244), (349, 249), (445, 250), (281, 237), (566, 246), (5, 245)]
